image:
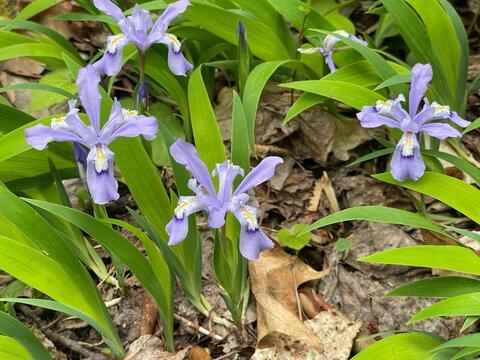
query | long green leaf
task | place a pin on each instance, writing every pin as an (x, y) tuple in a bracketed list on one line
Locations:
[(65, 279), (303, 103), (383, 68), (445, 44), (12, 349), (12, 118), (263, 41), (409, 346), (15, 329), (123, 249), (454, 258), (354, 95), (453, 192), (378, 214), (240, 154), (33, 50), (35, 8), (415, 34), (56, 306), (33, 26), (204, 124), (38, 86), (251, 95), (440, 287), (461, 305), (463, 165)]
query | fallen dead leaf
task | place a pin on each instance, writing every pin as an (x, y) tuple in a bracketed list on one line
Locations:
[(323, 185), (275, 278), (149, 347), (199, 353), (348, 135), (288, 348), (336, 331)]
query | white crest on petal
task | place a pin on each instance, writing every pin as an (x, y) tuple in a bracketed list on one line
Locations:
[(130, 114), (101, 159), (407, 149), (441, 111), (172, 39), (384, 107), (58, 123), (184, 205), (329, 39), (114, 41), (250, 217), (308, 51)]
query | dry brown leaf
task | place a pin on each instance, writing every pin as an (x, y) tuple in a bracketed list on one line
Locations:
[(199, 353), (323, 185), (149, 315), (275, 278), (348, 135), (149, 347), (288, 348), (337, 333), (431, 238)]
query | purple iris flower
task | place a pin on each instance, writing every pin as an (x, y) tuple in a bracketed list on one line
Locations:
[(139, 30), (252, 240), (407, 161), (99, 161), (327, 49)]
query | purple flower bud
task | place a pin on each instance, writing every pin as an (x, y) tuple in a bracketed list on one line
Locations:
[(241, 34)]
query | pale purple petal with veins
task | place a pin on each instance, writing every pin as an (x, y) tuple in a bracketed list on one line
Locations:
[(177, 228), (261, 173), (421, 76), (185, 154), (177, 62), (146, 126), (369, 118), (252, 240), (162, 23), (407, 161), (100, 178), (109, 8), (40, 135), (440, 131), (88, 80)]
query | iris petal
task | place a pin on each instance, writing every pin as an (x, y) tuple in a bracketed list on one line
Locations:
[(407, 167), (100, 178), (261, 173)]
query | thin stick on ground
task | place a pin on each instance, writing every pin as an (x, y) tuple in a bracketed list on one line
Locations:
[(197, 327)]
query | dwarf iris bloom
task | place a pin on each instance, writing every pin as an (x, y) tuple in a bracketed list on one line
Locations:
[(99, 161), (138, 29), (407, 162), (327, 49), (252, 240)]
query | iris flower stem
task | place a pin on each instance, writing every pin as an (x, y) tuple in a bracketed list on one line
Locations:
[(224, 239), (142, 67)]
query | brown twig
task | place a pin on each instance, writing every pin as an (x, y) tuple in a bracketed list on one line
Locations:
[(197, 327)]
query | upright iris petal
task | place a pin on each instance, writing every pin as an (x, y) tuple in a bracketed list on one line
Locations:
[(407, 161), (252, 239), (138, 29), (99, 161)]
